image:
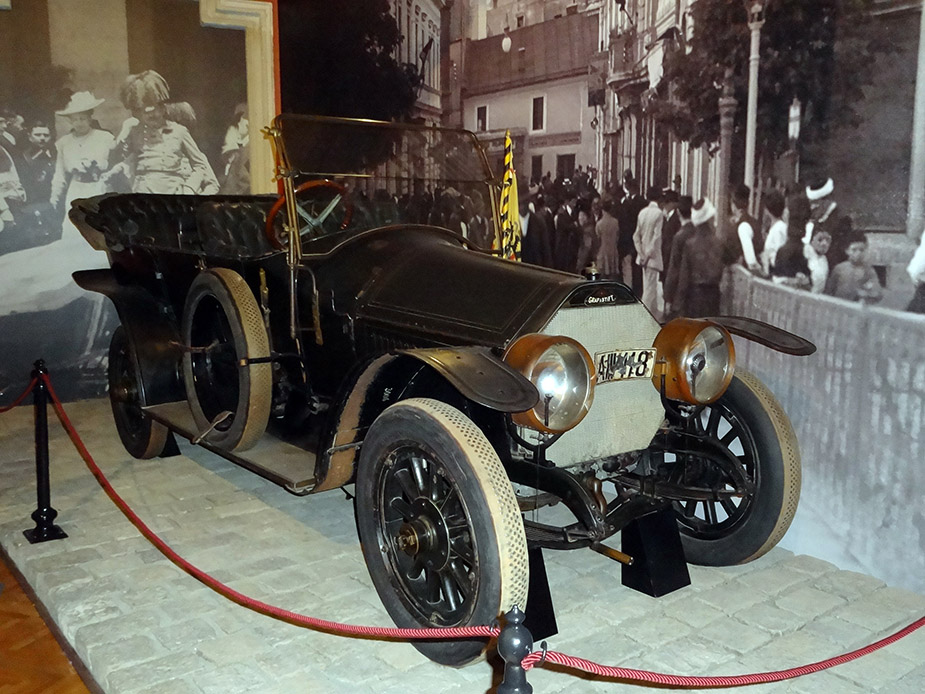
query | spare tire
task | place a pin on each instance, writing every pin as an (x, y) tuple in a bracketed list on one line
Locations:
[(223, 325)]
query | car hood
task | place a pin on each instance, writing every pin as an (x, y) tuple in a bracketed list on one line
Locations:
[(425, 282)]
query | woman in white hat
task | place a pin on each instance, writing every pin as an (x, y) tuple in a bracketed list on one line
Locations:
[(83, 156), (39, 279)]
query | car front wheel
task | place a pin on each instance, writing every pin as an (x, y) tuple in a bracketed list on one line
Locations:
[(441, 531), (749, 422)]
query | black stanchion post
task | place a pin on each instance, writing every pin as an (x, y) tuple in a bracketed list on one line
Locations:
[(44, 516), (514, 644)]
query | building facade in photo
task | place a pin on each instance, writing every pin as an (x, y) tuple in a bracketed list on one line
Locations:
[(533, 80), (421, 24)]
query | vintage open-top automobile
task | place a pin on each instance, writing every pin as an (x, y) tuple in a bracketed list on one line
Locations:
[(348, 331)]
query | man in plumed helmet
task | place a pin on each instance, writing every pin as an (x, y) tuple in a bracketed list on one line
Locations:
[(160, 155)]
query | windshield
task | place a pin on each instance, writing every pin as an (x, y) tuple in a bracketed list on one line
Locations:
[(383, 173)]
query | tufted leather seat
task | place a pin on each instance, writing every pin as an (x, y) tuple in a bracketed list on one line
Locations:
[(220, 225), (235, 227)]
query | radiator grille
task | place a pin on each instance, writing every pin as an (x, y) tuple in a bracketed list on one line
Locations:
[(625, 414)]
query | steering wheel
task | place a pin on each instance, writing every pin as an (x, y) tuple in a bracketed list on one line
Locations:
[(312, 221)]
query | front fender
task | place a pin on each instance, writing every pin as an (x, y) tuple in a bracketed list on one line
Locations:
[(765, 334), (480, 376), (471, 372)]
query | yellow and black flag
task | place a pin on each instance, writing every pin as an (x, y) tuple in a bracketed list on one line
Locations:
[(510, 210)]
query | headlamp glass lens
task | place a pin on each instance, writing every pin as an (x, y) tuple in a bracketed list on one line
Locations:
[(707, 364), (562, 378)]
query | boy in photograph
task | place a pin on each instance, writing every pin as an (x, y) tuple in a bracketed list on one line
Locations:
[(854, 279)]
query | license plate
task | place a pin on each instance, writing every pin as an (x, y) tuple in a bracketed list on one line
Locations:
[(624, 364)]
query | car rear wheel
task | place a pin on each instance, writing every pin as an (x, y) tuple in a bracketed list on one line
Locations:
[(439, 524), (142, 436), (749, 422), (223, 325)]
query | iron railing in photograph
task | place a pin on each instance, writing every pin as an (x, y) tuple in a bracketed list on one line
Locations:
[(858, 408)]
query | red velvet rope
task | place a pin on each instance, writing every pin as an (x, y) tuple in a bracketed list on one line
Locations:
[(528, 663), (731, 681), (18, 401), (293, 617)]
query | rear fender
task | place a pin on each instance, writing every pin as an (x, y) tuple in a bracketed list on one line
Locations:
[(466, 378), (152, 335)]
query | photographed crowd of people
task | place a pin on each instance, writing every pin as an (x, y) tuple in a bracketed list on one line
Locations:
[(668, 248), (152, 151)]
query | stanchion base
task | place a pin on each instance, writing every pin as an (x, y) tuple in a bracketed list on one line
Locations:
[(36, 535)]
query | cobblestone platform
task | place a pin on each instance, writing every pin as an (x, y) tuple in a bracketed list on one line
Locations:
[(143, 626)]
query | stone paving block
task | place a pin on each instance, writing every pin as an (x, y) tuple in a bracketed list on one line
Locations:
[(291, 658), (237, 677), (154, 594), (694, 655), (183, 635), (270, 562), (849, 585), (882, 610), (161, 572), (827, 681), (878, 670), (790, 650), (158, 675), (776, 579), (336, 585), (770, 618), (731, 596), (396, 657), (72, 615), (911, 646), (174, 686), (62, 559), (118, 628), (811, 565), (841, 633), (130, 652), (289, 579), (731, 634), (654, 633), (605, 646), (396, 684), (697, 613), (808, 602), (114, 566), (240, 509), (52, 580), (225, 650), (912, 683)]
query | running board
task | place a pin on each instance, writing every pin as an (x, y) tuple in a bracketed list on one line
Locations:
[(280, 462)]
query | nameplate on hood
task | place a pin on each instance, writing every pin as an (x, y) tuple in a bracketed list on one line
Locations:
[(608, 295)]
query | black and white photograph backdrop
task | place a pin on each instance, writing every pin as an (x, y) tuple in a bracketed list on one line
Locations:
[(96, 97), (608, 97)]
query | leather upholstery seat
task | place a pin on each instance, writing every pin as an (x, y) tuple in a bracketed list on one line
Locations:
[(219, 225)]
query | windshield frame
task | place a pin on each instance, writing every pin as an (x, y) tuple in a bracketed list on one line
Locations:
[(289, 173)]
